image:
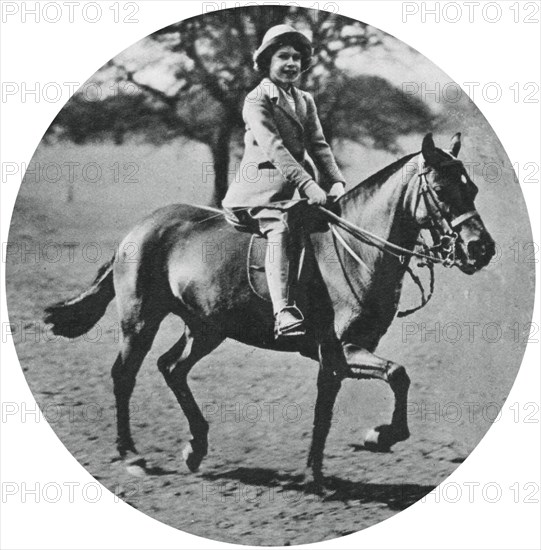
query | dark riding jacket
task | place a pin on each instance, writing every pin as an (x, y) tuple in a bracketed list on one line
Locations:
[(281, 147)]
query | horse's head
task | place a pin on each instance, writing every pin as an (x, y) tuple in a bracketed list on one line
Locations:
[(446, 205)]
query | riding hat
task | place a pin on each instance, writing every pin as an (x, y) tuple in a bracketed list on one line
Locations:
[(284, 34)]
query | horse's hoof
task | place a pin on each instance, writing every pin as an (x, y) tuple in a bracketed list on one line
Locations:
[(136, 466), (316, 488), (313, 480), (191, 458), (382, 438), (316, 485), (378, 441)]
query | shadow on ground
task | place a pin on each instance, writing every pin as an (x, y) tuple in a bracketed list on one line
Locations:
[(395, 496)]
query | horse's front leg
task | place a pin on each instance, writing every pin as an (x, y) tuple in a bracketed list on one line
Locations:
[(363, 364), (331, 372)]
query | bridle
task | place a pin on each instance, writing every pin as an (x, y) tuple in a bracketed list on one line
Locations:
[(443, 230)]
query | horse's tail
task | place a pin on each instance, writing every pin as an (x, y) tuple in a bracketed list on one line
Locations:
[(77, 316)]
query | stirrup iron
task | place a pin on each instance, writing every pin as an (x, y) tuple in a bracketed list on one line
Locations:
[(295, 327)]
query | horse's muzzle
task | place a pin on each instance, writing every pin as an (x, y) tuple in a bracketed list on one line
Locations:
[(475, 254), (474, 246)]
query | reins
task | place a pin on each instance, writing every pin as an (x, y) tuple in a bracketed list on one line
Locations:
[(424, 298), (370, 238), (388, 247)]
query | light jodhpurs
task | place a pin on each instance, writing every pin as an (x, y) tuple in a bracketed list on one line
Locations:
[(281, 258)]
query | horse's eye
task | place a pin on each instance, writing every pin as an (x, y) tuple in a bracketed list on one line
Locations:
[(464, 179)]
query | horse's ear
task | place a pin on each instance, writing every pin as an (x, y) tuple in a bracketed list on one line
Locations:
[(429, 150), (455, 144)]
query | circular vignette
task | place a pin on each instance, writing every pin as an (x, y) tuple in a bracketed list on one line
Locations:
[(112, 144)]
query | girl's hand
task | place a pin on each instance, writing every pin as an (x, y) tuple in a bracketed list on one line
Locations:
[(315, 194), (337, 189)]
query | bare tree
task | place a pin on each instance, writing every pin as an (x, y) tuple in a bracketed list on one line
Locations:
[(214, 71)]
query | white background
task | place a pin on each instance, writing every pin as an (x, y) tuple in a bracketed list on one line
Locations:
[(504, 52)]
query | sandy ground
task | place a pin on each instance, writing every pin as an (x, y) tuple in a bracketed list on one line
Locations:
[(259, 404)]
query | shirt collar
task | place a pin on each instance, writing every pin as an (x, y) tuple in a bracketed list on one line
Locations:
[(272, 89)]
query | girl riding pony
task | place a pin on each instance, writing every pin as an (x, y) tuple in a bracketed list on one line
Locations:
[(283, 136)]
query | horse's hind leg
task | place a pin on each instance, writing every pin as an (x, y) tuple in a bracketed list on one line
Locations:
[(136, 342), (331, 363), (363, 364), (175, 366)]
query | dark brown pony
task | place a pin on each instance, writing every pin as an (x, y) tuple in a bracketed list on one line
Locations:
[(192, 263)]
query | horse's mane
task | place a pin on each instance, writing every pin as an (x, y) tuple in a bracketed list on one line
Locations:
[(377, 179)]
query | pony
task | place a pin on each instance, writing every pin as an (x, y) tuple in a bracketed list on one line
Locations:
[(192, 263)]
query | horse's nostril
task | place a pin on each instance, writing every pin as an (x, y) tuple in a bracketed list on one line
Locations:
[(481, 251), (476, 249)]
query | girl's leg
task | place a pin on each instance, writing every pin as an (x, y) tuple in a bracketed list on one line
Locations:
[(280, 267)]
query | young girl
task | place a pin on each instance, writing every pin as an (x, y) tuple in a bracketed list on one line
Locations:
[(282, 128)]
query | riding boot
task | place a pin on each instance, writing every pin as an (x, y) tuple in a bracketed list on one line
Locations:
[(280, 262)]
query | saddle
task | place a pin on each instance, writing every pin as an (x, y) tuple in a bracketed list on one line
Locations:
[(242, 220)]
